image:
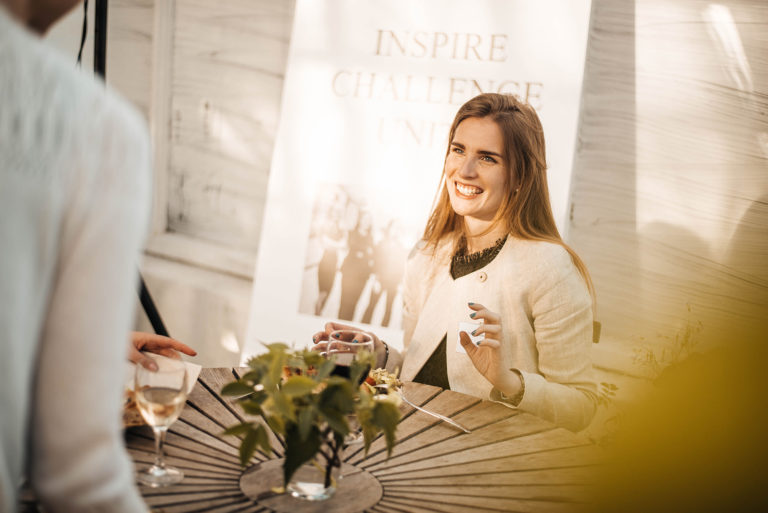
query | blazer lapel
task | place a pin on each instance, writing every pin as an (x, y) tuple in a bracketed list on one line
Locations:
[(430, 327)]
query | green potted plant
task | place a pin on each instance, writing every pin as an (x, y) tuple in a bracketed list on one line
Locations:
[(296, 396)]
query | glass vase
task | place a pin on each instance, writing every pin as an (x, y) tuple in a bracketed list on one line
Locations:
[(314, 481)]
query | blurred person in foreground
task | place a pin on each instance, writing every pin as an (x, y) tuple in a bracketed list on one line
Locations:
[(698, 442), (74, 211), (492, 263)]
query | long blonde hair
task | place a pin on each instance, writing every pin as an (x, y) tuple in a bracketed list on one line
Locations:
[(526, 212)]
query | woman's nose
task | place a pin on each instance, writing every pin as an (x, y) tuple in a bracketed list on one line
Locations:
[(467, 168)]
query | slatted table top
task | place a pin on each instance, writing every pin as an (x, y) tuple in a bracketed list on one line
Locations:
[(511, 461)]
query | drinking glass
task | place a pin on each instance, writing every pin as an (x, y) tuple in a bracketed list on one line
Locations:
[(346, 352), (160, 397)]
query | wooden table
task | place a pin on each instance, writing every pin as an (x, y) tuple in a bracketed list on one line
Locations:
[(510, 462)]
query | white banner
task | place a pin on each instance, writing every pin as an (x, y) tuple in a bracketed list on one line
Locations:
[(370, 91)]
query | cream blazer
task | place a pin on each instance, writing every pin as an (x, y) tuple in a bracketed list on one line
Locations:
[(546, 315)]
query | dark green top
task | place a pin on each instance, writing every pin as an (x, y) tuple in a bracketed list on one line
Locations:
[(435, 369)]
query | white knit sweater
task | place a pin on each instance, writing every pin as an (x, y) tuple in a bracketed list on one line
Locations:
[(74, 204)]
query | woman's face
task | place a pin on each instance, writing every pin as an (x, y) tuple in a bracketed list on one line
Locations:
[(475, 170)]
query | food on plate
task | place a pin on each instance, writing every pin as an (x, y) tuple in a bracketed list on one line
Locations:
[(382, 377)]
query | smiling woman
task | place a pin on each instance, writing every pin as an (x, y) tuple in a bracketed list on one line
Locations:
[(495, 303)]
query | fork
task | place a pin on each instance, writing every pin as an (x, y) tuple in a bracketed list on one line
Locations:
[(437, 415)]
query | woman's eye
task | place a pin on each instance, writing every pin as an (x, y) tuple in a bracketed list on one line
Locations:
[(458, 150), (488, 158)]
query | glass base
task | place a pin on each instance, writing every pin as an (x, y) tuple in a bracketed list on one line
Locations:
[(358, 491), (156, 477), (308, 483), (310, 491)]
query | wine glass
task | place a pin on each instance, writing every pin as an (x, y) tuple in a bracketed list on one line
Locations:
[(346, 348), (160, 397)]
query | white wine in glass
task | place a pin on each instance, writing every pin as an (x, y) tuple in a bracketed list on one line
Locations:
[(160, 397)]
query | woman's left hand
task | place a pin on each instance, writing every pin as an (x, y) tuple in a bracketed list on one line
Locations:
[(486, 356)]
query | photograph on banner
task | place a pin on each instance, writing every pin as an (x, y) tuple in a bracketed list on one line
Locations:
[(371, 88), (355, 260)]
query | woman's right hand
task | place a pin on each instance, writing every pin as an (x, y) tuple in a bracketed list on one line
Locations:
[(347, 333)]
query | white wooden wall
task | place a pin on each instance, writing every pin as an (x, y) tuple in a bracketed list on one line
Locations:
[(670, 187), (209, 77), (669, 193)]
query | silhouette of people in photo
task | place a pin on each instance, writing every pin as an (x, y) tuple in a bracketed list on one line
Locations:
[(354, 262), (332, 235), (388, 265), (358, 265)]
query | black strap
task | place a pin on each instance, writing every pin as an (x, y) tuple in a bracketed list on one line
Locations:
[(84, 33), (100, 39), (150, 309)]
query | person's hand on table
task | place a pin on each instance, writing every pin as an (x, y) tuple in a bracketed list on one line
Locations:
[(347, 333), (486, 355), (158, 344)]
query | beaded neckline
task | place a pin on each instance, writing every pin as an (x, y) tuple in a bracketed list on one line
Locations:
[(463, 263)]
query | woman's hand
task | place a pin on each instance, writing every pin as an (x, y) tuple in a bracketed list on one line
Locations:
[(155, 344), (486, 355), (347, 333)]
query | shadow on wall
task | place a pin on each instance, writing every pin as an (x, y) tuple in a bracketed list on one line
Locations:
[(698, 441)]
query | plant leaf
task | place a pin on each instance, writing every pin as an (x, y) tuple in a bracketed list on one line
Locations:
[(324, 369), (361, 366), (336, 402), (298, 386), (336, 421), (298, 451), (312, 358), (248, 447), (306, 420), (252, 376), (251, 407), (284, 406), (237, 388), (386, 416), (262, 439), (276, 424), (337, 397), (277, 352), (238, 429)]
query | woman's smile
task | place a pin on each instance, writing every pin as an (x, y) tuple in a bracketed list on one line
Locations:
[(467, 191)]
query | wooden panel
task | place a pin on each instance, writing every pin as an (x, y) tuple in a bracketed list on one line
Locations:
[(228, 65), (130, 34), (449, 503), (419, 448), (141, 441), (196, 502), (478, 487), (669, 195), (540, 450), (474, 418)]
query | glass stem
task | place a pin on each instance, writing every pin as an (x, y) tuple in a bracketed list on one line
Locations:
[(159, 442)]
